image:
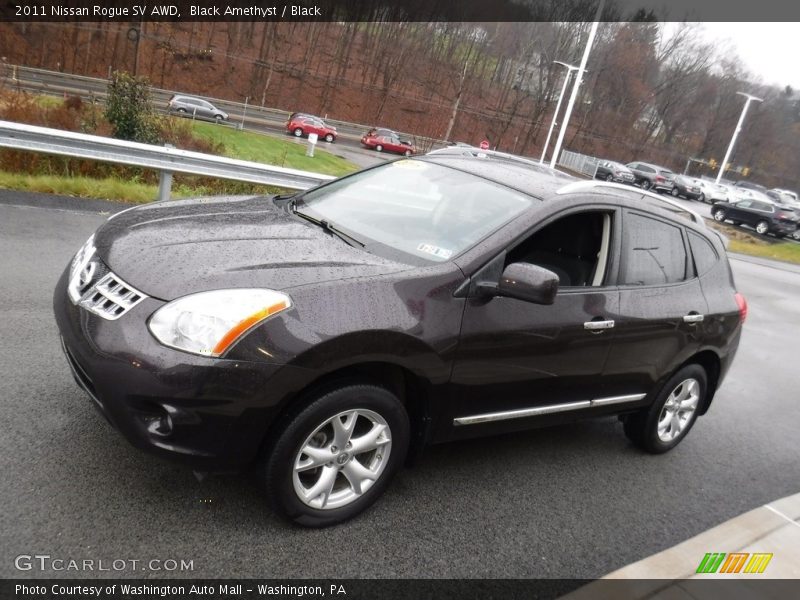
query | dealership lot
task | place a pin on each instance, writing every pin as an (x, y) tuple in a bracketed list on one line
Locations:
[(573, 501)]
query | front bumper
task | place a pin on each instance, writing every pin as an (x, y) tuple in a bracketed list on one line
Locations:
[(209, 413)]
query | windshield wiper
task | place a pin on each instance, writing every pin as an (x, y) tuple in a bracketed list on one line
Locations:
[(333, 230)]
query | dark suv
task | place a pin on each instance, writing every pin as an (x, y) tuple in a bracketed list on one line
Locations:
[(765, 217), (328, 336)]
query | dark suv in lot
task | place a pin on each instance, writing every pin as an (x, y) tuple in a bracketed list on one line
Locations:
[(765, 217), (328, 336)]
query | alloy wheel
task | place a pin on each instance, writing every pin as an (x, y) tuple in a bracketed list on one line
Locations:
[(341, 459), (719, 215), (678, 409), (762, 227)]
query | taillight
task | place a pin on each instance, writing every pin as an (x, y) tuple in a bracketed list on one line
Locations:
[(742, 303), (659, 178)]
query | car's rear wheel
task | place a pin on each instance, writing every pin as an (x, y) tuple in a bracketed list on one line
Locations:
[(719, 215), (796, 235), (762, 227), (337, 456), (298, 132), (668, 420), (182, 110), (329, 138), (379, 148)]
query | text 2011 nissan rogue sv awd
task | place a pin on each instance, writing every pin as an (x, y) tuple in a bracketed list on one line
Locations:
[(326, 336)]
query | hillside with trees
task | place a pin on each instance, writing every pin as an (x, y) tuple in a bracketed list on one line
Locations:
[(653, 92)]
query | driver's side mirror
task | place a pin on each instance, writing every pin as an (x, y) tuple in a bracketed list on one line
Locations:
[(525, 281)]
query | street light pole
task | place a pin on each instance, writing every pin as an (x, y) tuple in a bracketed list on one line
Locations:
[(750, 98), (577, 84), (570, 69)]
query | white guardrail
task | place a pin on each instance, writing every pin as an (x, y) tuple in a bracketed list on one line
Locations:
[(166, 160)]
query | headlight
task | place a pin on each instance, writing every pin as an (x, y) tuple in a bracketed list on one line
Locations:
[(209, 323), (78, 277)]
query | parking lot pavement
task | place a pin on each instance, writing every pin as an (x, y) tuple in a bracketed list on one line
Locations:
[(574, 501)]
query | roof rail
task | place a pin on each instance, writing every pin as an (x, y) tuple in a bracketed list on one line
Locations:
[(580, 186), (480, 153)]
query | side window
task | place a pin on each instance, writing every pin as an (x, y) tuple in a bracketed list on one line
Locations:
[(744, 204), (705, 257), (653, 252), (574, 247), (646, 169)]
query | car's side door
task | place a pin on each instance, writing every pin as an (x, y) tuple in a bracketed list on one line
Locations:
[(518, 360), (661, 304), (740, 212)]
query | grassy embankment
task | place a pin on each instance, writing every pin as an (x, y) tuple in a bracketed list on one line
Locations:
[(58, 175)]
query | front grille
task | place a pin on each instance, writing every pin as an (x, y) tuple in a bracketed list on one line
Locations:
[(94, 287), (111, 297)]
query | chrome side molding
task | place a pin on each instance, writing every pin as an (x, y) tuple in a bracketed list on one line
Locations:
[(547, 409)]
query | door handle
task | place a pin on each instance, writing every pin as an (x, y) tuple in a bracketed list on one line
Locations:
[(693, 318), (598, 326)]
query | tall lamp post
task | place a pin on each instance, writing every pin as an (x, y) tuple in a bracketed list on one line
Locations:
[(570, 69), (578, 78), (750, 98)]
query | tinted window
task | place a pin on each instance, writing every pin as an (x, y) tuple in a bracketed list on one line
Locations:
[(704, 254), (646, 169), (653, 252)]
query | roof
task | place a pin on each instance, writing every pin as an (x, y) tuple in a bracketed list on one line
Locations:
[(518, 173)]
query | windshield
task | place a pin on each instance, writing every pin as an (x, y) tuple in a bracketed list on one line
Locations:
[(426, 210)]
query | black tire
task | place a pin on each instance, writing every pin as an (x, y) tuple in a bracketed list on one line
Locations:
[(610, 177), (641, 428), (796, 235), (646, 185), (407, 153), (276, 470), (675, 192), (764, 226), (182, 111), (298, 132), (378, 148), (719, 215), (218, 119), (701, 198), (329, 138)]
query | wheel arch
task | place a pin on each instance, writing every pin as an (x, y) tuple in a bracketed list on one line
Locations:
[(711, 363), (414, 390)]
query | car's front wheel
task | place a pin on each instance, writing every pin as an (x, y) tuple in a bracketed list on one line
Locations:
[(719, 215), (407, 153), (298, 132), (329, 138), (669, 419), (337, 456), (701, 198), (646, 185), (674, 192), (762, 227), (796, 235), (379, 148), (609, 177)]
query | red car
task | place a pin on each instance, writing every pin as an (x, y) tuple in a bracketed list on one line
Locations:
[(386, 139), (301, 125)]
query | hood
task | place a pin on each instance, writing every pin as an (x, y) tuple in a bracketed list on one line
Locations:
[(178, 247)]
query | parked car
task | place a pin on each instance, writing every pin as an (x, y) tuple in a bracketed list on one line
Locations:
[(712, 191), (649, 176), (749, 185), (782, 196), (613, 171), (189, 106), (328, 335), (303, 125), (688, 187), (380, 139), (766, 217)]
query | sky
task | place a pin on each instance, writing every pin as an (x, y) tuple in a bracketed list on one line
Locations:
[(770, 50)]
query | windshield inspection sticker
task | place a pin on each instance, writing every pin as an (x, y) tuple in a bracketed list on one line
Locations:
[(435, 250)]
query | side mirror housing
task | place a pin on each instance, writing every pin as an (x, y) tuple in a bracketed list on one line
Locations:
[(528, 282)]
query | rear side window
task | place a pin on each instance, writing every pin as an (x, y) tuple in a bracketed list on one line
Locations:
[(705, 257), (653, 252)]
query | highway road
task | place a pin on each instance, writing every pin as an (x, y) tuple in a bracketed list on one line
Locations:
[(571, 501)]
